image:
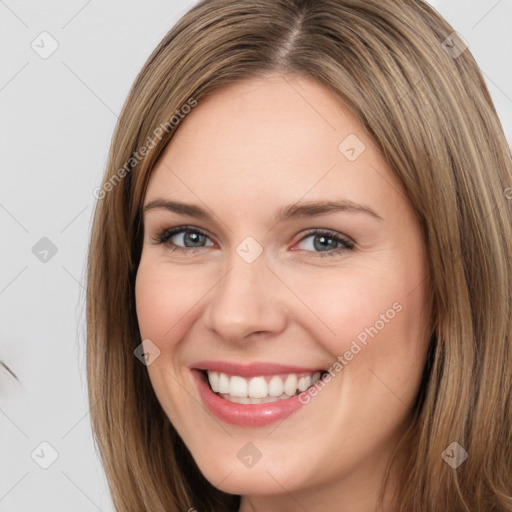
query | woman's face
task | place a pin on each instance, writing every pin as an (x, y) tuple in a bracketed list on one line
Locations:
[(278, 244)]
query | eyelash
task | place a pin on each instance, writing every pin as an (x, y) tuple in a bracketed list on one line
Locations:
[(164, 236)]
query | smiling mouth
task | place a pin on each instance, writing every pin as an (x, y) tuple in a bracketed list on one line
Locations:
[(259, 389)]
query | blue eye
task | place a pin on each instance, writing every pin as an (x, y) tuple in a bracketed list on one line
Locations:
[(186, 239), (327, 243), (190, 238)]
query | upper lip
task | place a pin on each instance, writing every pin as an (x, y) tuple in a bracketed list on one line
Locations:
[(255, 369)]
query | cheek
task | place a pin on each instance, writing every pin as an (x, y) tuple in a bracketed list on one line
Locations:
[(352, 305), (165, 304), (373, 322), (164, 300), (152, 304)]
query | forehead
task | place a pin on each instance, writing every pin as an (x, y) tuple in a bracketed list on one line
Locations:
[(290, 138), (257, 120)]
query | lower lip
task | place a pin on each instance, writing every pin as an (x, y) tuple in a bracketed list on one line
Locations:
[(246, 415)]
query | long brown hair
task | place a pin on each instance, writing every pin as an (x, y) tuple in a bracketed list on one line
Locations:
[(430, 113)]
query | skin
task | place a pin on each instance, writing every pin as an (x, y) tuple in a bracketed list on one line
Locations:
[(244, 152)]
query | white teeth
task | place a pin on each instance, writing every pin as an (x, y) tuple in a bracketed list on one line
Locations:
[(290, 386), (238, 400), (304, 383), (263, 400), (223, 383), (275, 386), (260, 389), (213, 377), (238, 387)]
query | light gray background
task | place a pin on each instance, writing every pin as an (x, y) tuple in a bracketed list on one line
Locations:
[(57, 118)]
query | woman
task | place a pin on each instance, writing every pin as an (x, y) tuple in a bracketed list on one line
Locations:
[(299, 275)]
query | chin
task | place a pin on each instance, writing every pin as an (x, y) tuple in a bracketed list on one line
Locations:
[(249, 481)]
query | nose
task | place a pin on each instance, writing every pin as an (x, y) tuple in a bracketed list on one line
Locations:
[(247, 302)]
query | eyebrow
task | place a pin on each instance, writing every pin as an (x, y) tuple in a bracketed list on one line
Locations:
[(293, 211)]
